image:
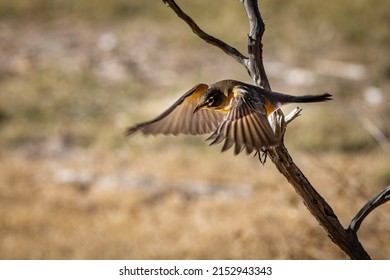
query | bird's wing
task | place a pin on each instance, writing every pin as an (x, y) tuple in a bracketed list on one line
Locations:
[(180, 119), (246, 125)]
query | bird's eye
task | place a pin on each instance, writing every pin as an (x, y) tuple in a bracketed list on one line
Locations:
[(210, 100)]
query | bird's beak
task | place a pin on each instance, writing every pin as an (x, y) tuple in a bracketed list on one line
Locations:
[(197, 108)]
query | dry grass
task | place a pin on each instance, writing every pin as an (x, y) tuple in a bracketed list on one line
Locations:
[(129, 207), (71, 187)]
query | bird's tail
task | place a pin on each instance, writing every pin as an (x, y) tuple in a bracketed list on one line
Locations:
[(284, 98)]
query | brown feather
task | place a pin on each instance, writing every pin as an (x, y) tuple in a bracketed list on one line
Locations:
[(180, 119), (246, 125)]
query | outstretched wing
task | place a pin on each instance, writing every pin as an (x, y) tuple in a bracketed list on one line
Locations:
[(180, 119), (246, 125)]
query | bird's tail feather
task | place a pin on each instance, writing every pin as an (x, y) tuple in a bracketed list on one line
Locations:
[(284, 98)]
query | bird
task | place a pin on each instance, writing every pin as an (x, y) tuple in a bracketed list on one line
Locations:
[(232, 111)]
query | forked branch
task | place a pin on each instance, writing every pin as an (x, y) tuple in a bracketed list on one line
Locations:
[(346, 239)]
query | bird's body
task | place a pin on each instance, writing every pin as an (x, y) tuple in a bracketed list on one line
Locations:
[(234, 111)]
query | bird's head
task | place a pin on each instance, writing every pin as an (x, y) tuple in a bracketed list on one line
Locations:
[(211, 98)]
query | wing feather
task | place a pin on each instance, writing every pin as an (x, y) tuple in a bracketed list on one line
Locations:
[(180, 119), (246, 125), (238, 136), (247, 132)]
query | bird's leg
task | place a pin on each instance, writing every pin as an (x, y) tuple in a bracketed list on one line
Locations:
[(262, 154)]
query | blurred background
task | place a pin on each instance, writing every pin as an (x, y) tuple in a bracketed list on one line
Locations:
[(74, 74)]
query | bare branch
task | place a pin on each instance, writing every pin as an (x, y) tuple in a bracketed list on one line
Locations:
[(316, 204), (229, 50), (255, 47), (293, 115), (320, 209), (279, 155), (373, 203)]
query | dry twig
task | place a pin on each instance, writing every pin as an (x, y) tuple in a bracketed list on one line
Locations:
[(373, 203)]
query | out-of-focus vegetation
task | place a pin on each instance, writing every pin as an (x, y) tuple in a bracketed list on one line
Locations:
[(75, 74), (300, 34)]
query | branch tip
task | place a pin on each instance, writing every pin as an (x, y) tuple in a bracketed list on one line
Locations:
[(373, 203)]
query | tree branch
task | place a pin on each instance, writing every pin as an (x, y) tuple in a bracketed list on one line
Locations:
[(255, 65), (316, 204), (346, 239), (229, 50), (373, 203), (279, 155)]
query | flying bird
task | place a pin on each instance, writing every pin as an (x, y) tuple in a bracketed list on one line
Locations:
[(233, 111)]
